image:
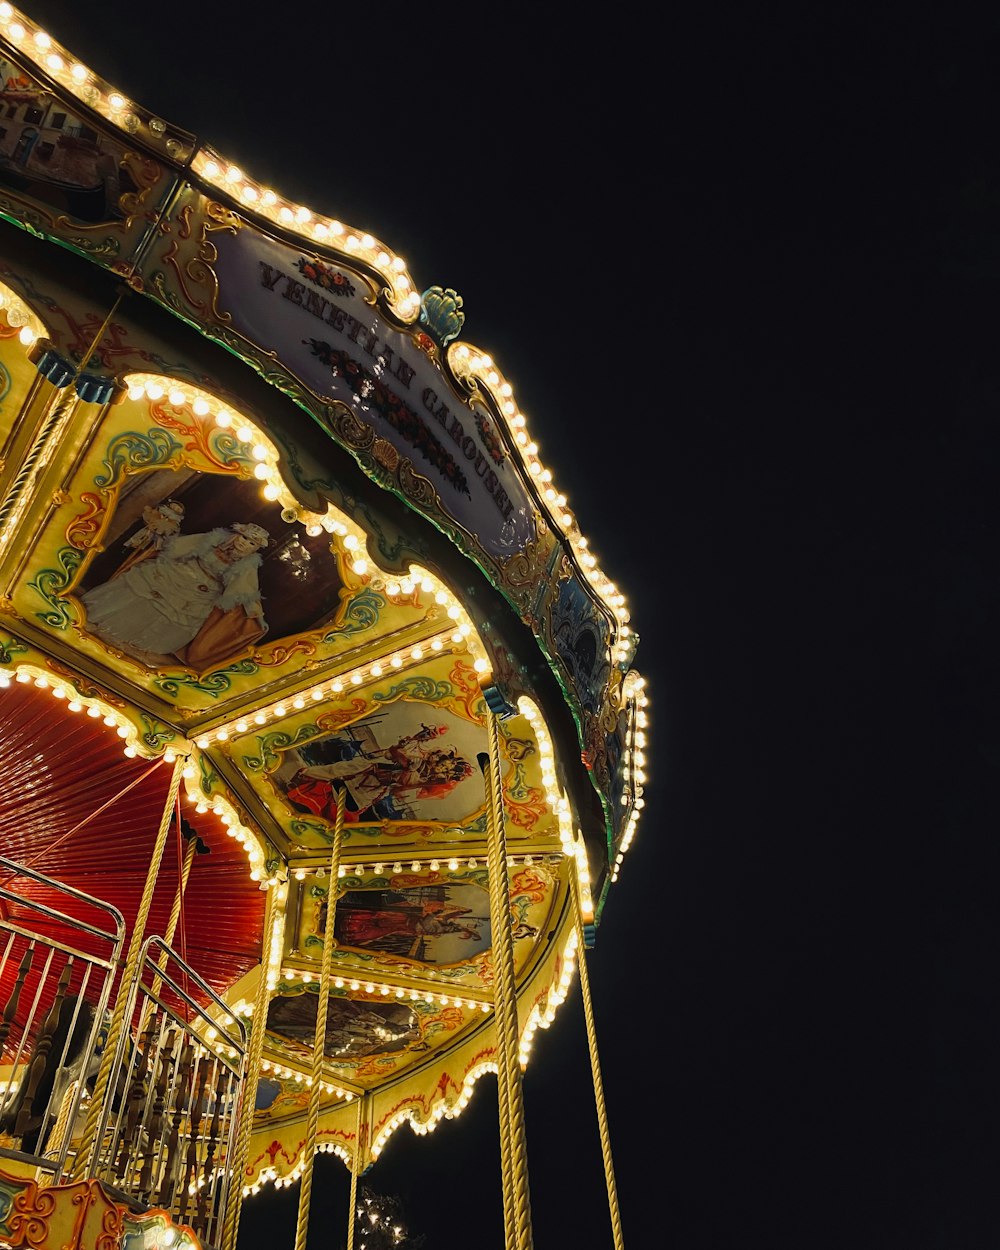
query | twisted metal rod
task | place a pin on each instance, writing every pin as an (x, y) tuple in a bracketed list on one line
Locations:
[(168, 937), (319, 1040), (355, 1160), (518, 1219), (84, 1165), (255, 1049), (595, 1065), (35, 460)]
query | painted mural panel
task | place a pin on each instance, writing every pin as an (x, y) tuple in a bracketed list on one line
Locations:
[(163, 557), (198, 575), (406, 762), (354, 1029), (431, 924)]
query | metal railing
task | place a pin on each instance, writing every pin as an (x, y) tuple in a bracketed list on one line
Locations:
[(170, 1115), (56, 973)]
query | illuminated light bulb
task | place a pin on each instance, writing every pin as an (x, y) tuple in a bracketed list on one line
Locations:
[(280, 710), (26, 335), (259, 719), (54, 62), (258, 451), (437, 644), (272, 492), (223, 418), (261, 472), (241, 726), (245, 434), (376, 670), (234, 174), (78, 71), (396, 662), (116, 101), (200, 407), (93, 711), (360, 567), (356, 679), (317, 694), (337, 686), (298, 702)]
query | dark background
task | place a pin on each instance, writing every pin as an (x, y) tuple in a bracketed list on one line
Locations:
[(742, 270)]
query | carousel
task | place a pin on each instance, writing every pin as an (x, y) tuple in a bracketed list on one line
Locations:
[(321, 742)]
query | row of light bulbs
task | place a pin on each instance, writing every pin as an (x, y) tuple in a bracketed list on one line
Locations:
[(416, 865), (290, 975)]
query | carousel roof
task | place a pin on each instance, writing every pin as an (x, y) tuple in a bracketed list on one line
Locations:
[(267, 519)]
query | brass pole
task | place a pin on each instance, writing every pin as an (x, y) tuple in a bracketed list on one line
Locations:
[(319, 1041), (355, 1159), (595, 1066), (518, 1219), (255, 1049)]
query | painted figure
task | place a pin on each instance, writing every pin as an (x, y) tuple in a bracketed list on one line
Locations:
[(161, 522), (371, 927), (410, 769), (197, 598)]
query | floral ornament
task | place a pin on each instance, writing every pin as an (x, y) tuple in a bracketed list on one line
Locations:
[(408, 424), (321, 275), (489, 437)]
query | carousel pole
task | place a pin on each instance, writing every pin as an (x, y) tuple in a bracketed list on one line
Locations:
[(517, 1211), (319, 1040), (255, 1049), (595, 1065), (355, 1160), (175, 913), (84, 1164)]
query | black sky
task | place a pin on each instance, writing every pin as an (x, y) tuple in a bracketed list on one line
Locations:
[(742, 270)]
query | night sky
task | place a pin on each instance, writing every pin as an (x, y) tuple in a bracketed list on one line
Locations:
[(742, 272)]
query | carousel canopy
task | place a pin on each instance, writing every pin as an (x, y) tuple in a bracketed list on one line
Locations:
[(270, 520)]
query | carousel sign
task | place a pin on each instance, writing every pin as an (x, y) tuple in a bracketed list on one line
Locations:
[(312, 317)]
